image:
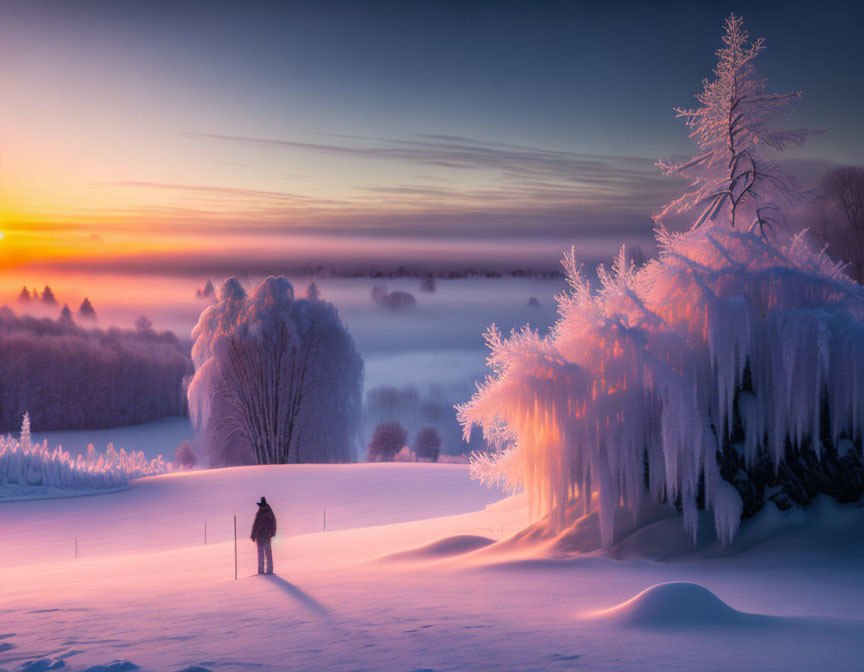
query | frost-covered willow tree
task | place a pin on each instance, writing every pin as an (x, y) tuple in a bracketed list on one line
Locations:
[(724, 372), (277, 379)]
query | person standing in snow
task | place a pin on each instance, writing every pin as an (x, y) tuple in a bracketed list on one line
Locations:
[(263, 530)]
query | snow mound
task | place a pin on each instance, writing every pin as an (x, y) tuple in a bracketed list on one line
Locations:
[(459, 544), (674, 604)]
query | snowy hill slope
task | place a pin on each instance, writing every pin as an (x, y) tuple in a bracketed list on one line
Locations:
[(392, 586)]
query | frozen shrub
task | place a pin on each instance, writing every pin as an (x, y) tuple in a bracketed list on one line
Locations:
[(388, 439), (406, 455), (185, 458)]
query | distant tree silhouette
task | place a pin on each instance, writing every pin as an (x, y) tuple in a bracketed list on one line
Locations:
[(208, 290), (86, 310), (427, 444), (388, 439), (48, 296), (66, 315), (428, 285)]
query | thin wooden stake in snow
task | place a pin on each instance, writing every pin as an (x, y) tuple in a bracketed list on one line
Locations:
[(235, 546)]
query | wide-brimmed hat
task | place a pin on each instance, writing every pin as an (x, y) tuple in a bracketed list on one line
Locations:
[(263, 502)]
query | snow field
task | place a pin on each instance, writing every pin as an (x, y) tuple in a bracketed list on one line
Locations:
[(403, 579)]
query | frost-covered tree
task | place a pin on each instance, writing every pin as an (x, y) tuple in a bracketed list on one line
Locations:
[(720, 374), (428, 284), (86, 310), (731, 180), (143, 323), (389, 438), (312, 292), (24, 438), (277, 379), (838, 217), (427, 444), (24, 296)]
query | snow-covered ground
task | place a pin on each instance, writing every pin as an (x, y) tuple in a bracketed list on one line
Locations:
[(406, 577)]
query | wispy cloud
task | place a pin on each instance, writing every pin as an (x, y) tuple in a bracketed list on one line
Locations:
[(490, 192)]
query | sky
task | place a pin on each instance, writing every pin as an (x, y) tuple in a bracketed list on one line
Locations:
[(186, 138)]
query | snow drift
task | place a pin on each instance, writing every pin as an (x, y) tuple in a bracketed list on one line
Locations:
[(674, 605), (448, 547)]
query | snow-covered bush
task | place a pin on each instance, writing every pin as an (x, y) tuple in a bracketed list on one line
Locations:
[(739, 347), (405, 455), (388, 439), (26, 469), (277, 379), (184, 457)]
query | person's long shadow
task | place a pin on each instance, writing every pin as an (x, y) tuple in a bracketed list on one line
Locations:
[(299, 595)]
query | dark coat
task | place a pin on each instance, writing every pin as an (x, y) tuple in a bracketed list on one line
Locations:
[(264, 526)]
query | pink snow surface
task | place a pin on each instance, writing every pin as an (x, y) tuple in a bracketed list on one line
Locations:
[(405, 579)]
